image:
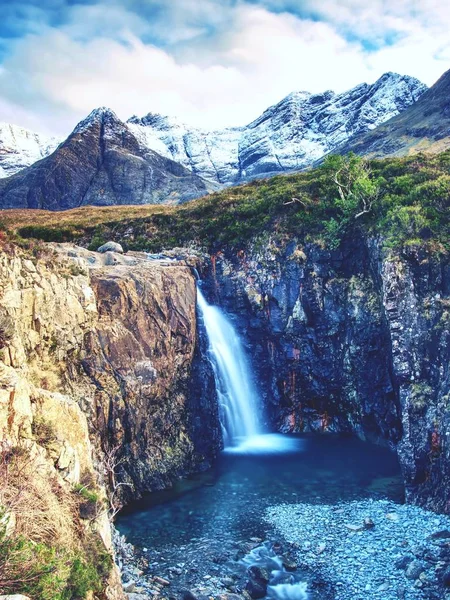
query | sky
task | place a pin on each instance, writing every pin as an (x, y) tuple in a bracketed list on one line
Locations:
[(211, 63)]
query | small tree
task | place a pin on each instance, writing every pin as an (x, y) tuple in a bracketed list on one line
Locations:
[(355, 192)]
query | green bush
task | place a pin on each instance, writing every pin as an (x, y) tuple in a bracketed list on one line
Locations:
[(86, 493), (47, 234)]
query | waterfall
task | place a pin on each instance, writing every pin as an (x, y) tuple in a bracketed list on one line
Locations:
[(238, 399)]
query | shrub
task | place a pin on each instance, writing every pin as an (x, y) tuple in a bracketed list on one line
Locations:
[(6, 327), (47, 234), (43, 431)]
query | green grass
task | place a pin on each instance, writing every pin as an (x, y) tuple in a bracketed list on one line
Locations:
[(412, 208), (86, 493), (43, 572)]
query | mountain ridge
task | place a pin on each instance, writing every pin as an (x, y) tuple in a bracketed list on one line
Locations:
[(21, 147), (100, 163), (290, 135), (424, 126), (156, 159)]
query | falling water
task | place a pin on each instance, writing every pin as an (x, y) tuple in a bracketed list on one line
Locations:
[(240, 406), (238, 399)]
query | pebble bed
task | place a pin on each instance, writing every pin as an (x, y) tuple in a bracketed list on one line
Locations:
[(370, 549)]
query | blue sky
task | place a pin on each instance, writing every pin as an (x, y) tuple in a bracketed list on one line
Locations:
[(210, 62)]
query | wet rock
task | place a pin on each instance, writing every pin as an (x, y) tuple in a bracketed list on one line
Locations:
[(440, 535), (129, 586), (110, 247), (403, 562), (446, 578), (188, 595), (161, 580), (228, 582), (392, 516), (277, 547), (289, 563), (321, 548), (258, 573), (354, 528), (256, 589)]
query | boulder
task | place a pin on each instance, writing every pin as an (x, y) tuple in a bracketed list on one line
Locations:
[(110, 247)]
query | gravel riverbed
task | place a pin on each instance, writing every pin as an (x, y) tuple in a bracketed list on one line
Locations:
[(359, 550), (370, 549)]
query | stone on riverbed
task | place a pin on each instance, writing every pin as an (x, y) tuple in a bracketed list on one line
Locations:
[(415, 569)]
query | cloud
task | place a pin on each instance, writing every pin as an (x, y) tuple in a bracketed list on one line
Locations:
[(210, 63)]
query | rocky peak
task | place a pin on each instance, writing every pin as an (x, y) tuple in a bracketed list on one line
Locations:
[(100, 117), (102, 163), (422, 125), (160, 122)]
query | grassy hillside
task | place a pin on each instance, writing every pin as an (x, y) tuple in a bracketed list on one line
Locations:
[(409, 204)]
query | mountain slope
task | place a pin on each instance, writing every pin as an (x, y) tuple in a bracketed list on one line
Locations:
[(101, 163), (424, 126), (20, 148), (291, 135)]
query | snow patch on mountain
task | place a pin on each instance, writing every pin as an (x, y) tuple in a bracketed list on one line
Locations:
[(290, 135), (20, 148)]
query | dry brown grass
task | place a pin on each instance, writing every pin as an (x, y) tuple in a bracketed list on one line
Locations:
[(43, 511), (84, 217)]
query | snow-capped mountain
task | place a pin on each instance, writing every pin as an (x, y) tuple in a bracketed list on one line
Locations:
[(101, 163), (290, 135), (20, 148), (157, 159)]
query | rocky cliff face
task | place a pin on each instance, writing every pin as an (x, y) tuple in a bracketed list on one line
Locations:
[(353, 340), (151, 397), (101, 163), (101, 381), (289, 136)]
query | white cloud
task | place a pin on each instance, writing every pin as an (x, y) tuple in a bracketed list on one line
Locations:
[(255, 57)]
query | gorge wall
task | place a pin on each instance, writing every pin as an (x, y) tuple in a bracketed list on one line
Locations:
[(102, 386), (104, 380), (355, 340)]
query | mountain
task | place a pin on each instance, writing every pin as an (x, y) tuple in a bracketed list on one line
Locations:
[(424, 126), (20, 148), (290, 135), (157, 159), (101, 163)]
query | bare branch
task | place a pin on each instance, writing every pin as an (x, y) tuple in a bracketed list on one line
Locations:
[(295, 200)]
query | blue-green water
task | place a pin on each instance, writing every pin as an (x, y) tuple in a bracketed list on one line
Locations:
[(229, 501)]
